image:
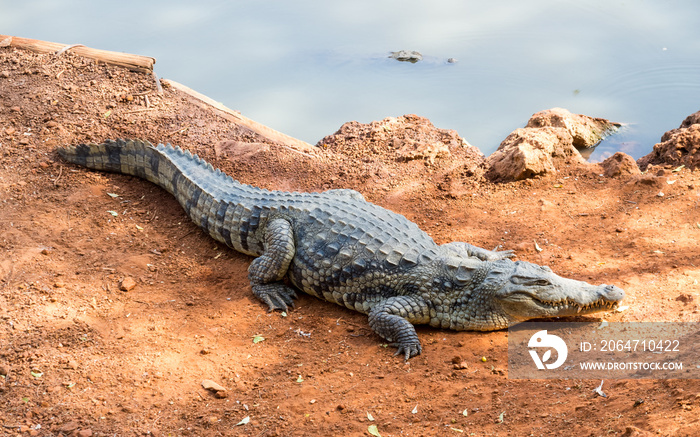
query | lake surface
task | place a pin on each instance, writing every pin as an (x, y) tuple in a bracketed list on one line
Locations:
[(306, 67)]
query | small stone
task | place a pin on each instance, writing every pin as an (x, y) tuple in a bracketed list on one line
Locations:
[(208, 384), (15, 109), (4, 74), (4, 370), (52, 124), (462, 365), (127, 284), (85, 433), (68, 427), (10, 131)]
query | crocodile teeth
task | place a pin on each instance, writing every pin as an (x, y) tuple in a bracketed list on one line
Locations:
[(579, 309)]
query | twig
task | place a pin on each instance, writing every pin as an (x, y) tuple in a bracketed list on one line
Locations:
[(60, 173), (66, 48), (179, 131), (140, 110)]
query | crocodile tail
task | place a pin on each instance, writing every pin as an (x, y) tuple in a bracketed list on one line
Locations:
[(132, 157)]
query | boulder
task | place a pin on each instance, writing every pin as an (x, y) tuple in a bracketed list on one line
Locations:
[(551, 139), (620, 164), (677, 147), (586, 132)]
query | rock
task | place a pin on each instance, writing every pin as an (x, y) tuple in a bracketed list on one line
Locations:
[(208, 384), (85, 433), (678, 146), (68, 427), (551, 139), (620, 164), (649, 180), (416, 150), (586, 132), (407, 56), (4, 370), (127, 284)]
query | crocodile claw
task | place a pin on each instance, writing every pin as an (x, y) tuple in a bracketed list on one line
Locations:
[(408, 350), (276, 296)]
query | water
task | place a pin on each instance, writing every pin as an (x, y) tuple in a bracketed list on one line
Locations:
[(306, 67)]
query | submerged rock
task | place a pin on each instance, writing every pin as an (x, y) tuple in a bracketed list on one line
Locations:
[(551, 139), (678, 146), (407, 56)]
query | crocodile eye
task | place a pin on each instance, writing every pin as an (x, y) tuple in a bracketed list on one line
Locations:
[(540, 282)]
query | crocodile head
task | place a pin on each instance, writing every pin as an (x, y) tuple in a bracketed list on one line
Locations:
[(514, 292)]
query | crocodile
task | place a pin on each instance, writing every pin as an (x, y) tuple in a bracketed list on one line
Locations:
[(338, 247)]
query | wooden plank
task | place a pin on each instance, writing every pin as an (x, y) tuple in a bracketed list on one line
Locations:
[(235, 117), (134, 62)]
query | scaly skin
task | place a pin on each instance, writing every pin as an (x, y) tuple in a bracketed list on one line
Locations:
[(338, 247)]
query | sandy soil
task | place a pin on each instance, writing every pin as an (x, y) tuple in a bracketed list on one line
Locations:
[(80, 356)]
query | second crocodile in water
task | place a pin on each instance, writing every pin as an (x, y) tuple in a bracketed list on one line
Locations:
[(337, 246)]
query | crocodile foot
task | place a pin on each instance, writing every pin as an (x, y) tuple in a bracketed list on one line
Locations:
[(276, 295), (409, 349)]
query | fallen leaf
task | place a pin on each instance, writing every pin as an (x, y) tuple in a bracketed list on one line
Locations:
[(139, 228), (245, 420), (258, 338), (112, 195), (677, 169), (500, 417), (465, 413), (456, 429), (372, 429), (558, 185), (414, 410), (300, 379), (114, 213), (537, 247), (36, 373), (369, 416)]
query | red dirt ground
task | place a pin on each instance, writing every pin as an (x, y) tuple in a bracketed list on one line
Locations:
[(79, 356)]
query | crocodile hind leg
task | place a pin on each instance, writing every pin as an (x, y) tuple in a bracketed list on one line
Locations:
[(267, 271), (393, 320)]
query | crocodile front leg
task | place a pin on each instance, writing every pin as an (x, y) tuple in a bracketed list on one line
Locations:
[(267, 271), (393, 320)]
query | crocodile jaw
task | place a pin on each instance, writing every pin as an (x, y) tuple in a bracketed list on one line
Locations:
[(534, 292)]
